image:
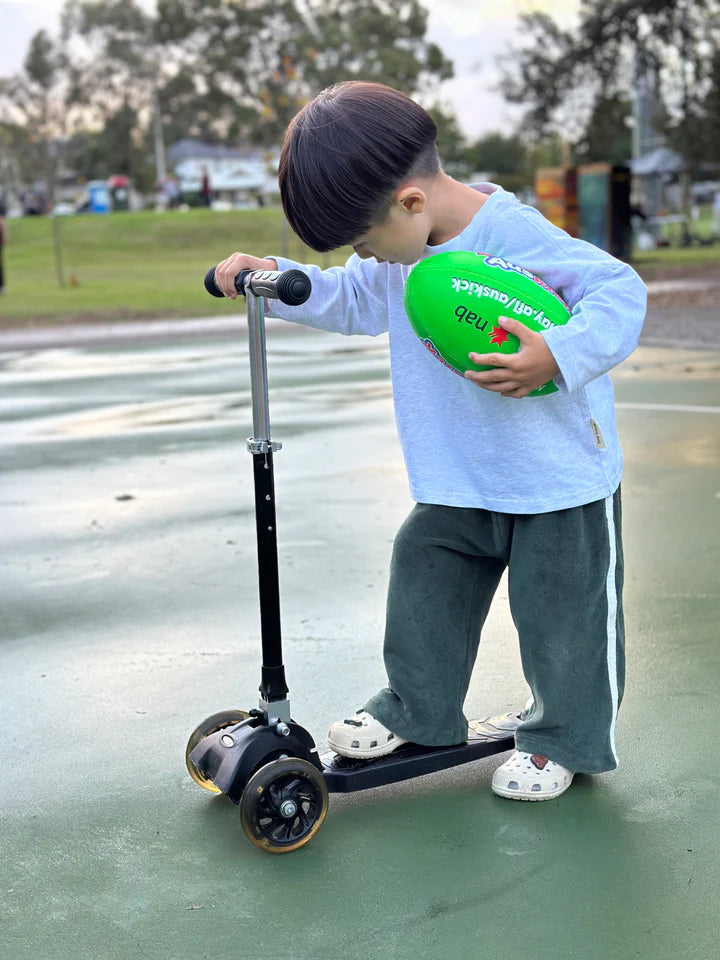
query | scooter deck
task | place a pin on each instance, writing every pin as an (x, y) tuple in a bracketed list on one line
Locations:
[(346, 774)]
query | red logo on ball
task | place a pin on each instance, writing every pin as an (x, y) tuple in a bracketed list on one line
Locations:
[(499, 335)]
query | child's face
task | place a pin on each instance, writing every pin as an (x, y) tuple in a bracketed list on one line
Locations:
[(400, 238)]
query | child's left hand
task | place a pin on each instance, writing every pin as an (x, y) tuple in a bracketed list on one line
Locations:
[(515, 374)]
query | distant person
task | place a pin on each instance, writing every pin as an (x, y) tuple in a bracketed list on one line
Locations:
[(205, 188), (3, 242), (171, 192), (531, 486), (33, 203)]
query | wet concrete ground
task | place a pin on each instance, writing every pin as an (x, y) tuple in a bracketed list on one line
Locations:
[(129, 612)]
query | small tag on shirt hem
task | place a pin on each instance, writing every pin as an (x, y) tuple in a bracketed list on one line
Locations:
[(597, 434)]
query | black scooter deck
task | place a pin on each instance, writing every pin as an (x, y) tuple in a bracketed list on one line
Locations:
[(346, 775)]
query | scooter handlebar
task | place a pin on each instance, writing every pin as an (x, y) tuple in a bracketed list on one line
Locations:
[(292, 287)]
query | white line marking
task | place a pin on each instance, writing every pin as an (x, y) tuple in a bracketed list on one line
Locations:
[(611, 617), (671, 407)]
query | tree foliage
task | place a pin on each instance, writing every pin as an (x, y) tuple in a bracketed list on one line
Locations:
[(696, 135), (219, 70), (39, 108), (229, 69), (450, 140), (497, 154), (607, 135), (565, 74)]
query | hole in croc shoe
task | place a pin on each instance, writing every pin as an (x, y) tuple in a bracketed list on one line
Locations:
[(355, 745), (373, 743), (536, 788), (512, 785)]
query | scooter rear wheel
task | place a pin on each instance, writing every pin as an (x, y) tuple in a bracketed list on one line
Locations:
[(218, 721), (283, 805)]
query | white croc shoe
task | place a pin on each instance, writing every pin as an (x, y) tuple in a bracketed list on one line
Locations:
[(528, 776), (363, 737)]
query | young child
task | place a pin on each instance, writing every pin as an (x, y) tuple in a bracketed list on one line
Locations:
[(532, 486)]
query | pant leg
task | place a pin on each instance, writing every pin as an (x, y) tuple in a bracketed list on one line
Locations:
[(565, 582), (446, 565)]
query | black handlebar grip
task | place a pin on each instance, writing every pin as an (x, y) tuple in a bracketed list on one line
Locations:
[(215, 291), (292, 287)]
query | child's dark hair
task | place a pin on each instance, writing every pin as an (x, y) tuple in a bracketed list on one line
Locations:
[(344, 155)]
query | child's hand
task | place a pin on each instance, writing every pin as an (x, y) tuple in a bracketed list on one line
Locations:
[(226, 271), (515, 374)]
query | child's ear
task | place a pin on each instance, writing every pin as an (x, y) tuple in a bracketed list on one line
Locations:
[(411, 198)]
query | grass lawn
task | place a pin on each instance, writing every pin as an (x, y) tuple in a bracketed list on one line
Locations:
[(132, 265), (143, 265), (668, 262)]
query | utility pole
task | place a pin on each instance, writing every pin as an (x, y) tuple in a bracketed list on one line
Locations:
[(160, 169), (685, 172)]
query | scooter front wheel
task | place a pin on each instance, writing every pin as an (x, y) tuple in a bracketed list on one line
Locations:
[(283, 805), (218, 721)]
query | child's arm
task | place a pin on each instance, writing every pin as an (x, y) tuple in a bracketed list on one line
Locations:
[(607, 299), (350, 299)]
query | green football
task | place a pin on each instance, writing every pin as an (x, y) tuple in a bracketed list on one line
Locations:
[(453, 301)]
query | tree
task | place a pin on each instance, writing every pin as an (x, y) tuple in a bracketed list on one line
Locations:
[(696, 134), (240, 69), (607, 135), (566, 74), (256, 63), (496, 153), (450, 140), (39, 103), (220, 70), (96, 154), (506, 159), (14, 149)]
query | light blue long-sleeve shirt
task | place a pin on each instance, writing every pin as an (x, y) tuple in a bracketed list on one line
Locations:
[(469, 447)]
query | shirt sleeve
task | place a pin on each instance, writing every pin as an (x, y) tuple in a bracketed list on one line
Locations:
[(349, 300), (606, 296)]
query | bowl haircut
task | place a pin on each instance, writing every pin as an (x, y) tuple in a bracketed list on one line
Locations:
[(344, 155)]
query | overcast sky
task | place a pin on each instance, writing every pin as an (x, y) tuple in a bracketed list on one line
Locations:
[(473, 33)]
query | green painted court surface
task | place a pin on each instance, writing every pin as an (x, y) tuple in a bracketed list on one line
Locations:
[(129, 613)]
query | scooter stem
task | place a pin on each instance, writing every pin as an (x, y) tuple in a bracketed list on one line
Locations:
[(258, 370), (273, 688)]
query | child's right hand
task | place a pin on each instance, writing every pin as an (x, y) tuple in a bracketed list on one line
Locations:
[(226, 271)]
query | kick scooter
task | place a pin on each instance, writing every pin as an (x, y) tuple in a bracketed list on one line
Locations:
[(261, 759)]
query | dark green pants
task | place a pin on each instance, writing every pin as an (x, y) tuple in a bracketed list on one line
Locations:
[(565, 573)]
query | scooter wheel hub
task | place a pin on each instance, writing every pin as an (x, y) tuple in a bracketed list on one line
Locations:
[(288, 809)]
